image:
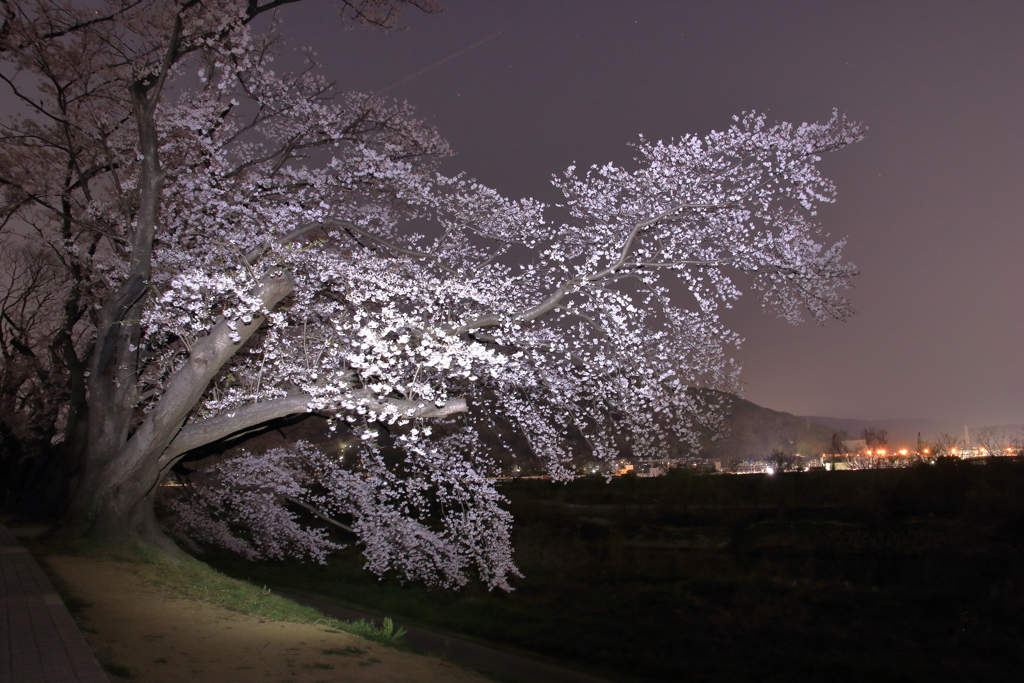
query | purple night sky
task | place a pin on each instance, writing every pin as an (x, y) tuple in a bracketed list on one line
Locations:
[(931, 201)]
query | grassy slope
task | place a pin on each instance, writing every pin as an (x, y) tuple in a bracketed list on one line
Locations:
[(910, 575), (196, 580)]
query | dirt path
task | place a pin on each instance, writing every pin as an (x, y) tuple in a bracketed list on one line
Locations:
[(162, 638), (507, 666)]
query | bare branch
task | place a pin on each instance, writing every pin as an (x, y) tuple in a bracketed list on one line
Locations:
[(321, 514)]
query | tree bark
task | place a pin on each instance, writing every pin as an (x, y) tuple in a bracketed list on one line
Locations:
[(114, 501)]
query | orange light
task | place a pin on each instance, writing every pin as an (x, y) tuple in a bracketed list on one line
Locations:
[(903, 451)]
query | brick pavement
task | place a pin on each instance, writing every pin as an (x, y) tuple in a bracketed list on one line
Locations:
[(39, 641)]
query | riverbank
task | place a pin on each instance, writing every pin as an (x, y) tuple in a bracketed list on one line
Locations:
[(143, 628), (908, 574)]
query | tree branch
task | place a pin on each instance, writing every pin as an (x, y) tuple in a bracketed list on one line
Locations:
[(188, 384), (567, 287), (319, 513), (411, 409), (252, 255), (199, 433)]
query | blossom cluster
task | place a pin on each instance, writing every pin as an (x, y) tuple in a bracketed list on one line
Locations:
[(409, 292)]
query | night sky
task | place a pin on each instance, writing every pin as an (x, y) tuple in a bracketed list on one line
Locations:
[(931, 201)]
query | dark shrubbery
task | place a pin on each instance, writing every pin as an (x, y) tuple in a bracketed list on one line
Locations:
[(906, 575)]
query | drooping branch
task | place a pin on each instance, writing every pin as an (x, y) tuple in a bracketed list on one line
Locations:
[(199, 433), (187, 385)]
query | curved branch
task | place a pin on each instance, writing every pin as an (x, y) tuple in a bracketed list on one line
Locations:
[(638, 228), (199, 433), (188, 384), (252, 255)]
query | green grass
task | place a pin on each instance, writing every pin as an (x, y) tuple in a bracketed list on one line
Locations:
[(897, 575), (198, 581)]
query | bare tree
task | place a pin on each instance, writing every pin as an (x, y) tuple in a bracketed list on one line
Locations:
[(34, 380), (947, 444), (875, 438), (838, 444), (781, 461), (999, 440)]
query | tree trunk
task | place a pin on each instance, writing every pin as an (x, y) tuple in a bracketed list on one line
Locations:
[(124, 515), (114, 498)]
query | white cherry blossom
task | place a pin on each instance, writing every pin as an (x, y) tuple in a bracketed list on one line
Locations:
[(247, 244)]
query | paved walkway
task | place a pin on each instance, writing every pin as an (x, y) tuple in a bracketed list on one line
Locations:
[(39, 641)]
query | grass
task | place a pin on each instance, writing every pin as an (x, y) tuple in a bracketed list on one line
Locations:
[(892, 575), (908, 575), (195, 580)]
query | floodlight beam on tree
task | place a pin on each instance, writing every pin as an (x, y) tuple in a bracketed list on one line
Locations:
[(265, 280)]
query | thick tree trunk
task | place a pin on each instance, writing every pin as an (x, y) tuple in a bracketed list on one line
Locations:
[(124, 515), (114, 499)]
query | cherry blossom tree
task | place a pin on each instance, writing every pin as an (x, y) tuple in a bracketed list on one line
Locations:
[(244, 244)]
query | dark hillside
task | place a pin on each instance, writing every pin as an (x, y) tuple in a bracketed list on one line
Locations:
[(754, 432)]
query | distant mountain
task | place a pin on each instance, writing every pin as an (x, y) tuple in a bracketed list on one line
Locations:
[(904, 431), (754, 432), (751, 433)]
